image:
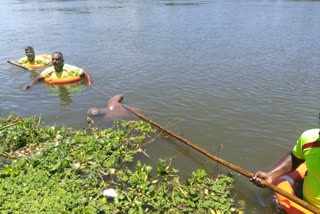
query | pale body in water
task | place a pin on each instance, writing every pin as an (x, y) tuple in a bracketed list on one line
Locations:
[(114, 109)]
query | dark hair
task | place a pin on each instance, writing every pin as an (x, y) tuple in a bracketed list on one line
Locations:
[(28, 48), (58, 53)]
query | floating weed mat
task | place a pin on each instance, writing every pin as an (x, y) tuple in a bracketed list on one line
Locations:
[(17, 132), (88, 172)]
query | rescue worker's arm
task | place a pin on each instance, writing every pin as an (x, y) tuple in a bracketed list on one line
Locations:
[(34, 81), (88, 77), (287, 164)]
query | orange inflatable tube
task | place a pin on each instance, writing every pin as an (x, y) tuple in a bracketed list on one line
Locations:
[(62, 80), (287, 183), (35, 66), (46, 56)]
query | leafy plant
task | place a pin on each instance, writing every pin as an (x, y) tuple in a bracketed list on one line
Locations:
[(73, 171)]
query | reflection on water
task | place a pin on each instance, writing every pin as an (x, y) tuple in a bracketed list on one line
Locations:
[(65, 91)]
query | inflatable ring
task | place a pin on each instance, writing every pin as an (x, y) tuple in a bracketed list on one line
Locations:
[(287, 183), (36, 66), (62, 80), (45, 56)]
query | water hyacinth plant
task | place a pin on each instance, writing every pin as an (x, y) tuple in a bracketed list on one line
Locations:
[(59, 170)]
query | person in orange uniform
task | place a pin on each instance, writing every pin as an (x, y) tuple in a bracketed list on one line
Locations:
[(60, 70)]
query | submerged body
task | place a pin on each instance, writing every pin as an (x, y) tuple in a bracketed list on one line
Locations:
[(114, 109)]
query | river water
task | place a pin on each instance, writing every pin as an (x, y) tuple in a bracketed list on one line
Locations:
[(238, 78)]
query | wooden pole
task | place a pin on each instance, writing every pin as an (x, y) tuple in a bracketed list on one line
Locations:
[(230, 165), (17, 64), (293, 198)]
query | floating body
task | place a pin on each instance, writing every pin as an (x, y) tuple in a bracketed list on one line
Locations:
[(114, 109)]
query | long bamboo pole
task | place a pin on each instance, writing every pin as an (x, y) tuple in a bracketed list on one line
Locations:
[(293, 198), (17, 64)]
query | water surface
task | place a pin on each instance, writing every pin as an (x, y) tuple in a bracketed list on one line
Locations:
[(237, 78)]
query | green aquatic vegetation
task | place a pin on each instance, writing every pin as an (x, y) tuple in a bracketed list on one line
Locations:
[(140, 126), (88, 171), (199, 194), (17, 132)]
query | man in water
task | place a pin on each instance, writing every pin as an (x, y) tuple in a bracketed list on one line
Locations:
[(60, 70), (31, 59), (307, 149)]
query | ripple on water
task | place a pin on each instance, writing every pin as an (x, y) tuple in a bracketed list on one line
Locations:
[(235, 73)]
